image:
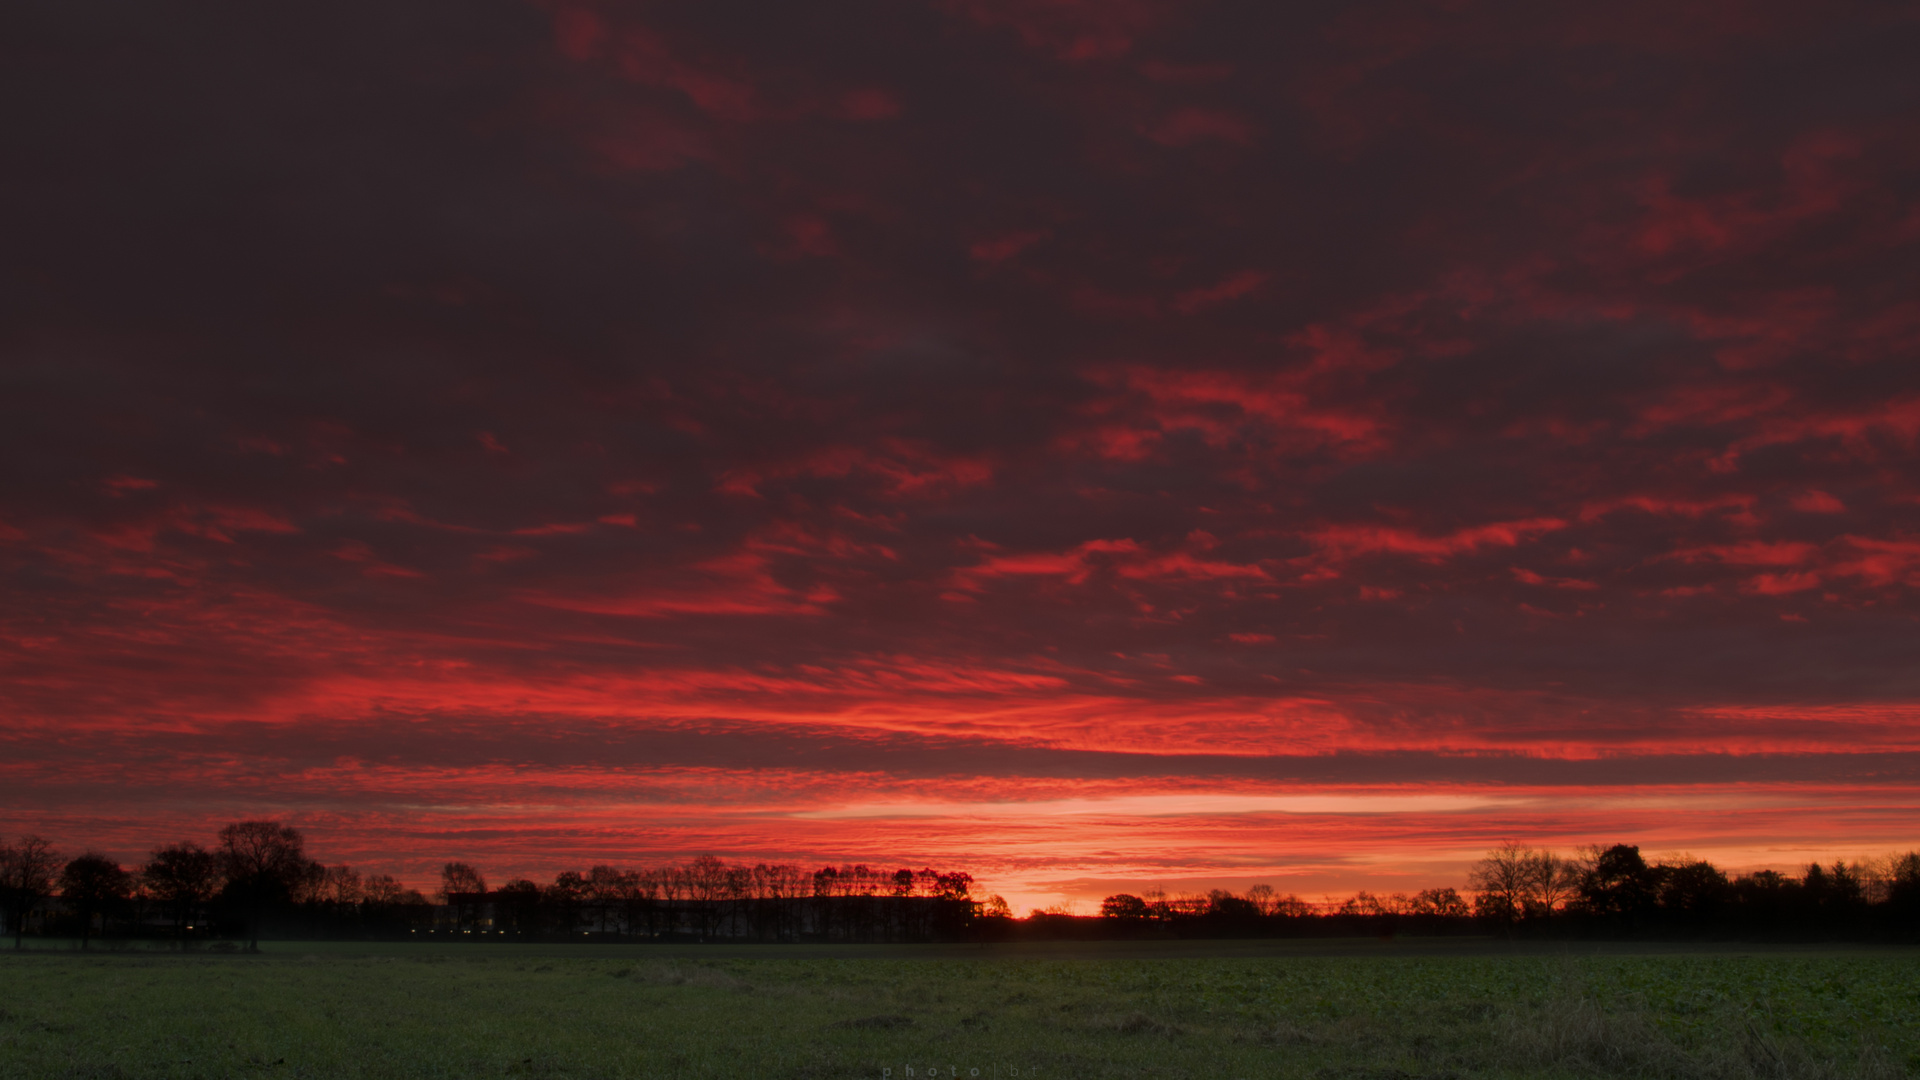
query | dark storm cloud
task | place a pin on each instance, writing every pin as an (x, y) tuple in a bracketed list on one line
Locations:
[(1270, 380)]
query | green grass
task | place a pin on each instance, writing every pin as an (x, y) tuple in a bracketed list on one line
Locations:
[(1204, 1009)]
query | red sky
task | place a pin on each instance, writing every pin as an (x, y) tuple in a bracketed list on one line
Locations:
[(1097, 444)]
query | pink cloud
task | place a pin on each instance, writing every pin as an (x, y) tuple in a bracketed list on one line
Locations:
[(1752, 553), (1218, 404), (904, 468), (1529, 577), (1814, 501), (1348, 541), (1074, 565), (1230, 288)]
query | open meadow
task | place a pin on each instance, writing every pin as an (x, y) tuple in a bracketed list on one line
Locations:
[(1031, 1012)]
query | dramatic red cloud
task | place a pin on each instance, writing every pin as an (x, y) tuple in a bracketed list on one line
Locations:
[(1100, 444)]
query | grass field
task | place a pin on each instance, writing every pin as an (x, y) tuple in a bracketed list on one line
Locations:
[(1042, 1012)]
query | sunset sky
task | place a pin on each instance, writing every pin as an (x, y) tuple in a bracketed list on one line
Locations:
[(1099, 444)]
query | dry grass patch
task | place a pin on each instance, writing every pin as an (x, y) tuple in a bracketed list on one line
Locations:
[(1574, 1033), (1137, 1023)]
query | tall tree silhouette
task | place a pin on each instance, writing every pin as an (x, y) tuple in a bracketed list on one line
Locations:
[(459, 877), (1620, 883), (519, 907), (93, 886), (182, 876), (341, 887), (1694, 891), (1444, 902), (706, 884), (26, 877), (382, 890), (564, 897), (1507, 881), (263, 862), (462, 889), (1903, 892)]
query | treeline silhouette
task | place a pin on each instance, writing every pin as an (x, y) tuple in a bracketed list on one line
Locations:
[(707, 899), (1521, 891), (257, 880)]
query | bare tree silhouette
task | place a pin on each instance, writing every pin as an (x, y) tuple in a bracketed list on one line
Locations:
[(459, 877), (1504, 880), (462, 889), (26, 877), (264, 861), (382, 890), (1515, 882), (706, 884)]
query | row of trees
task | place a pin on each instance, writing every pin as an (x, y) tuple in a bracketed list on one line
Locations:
[(708, 899), (258, 872), (1516, 888), (253, 869), (1262, 902), (1616, 886)]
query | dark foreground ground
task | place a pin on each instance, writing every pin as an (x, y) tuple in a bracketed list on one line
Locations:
[(1361, 1010)]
